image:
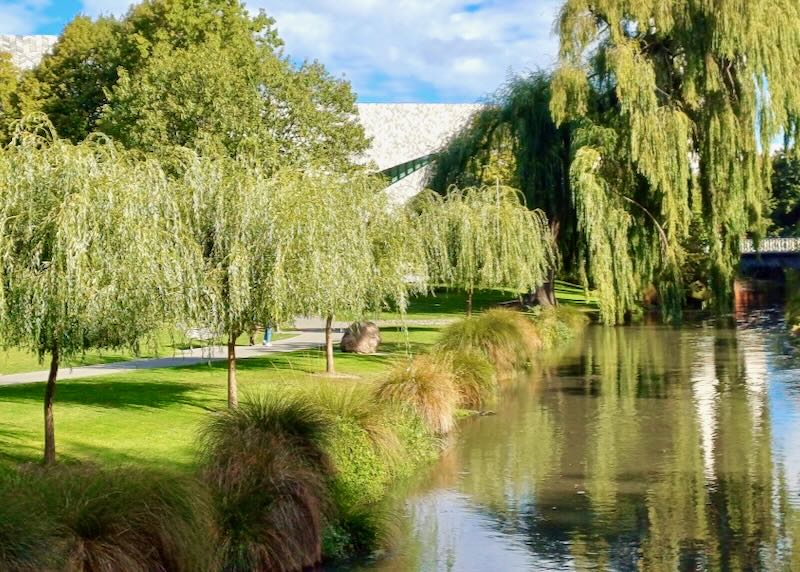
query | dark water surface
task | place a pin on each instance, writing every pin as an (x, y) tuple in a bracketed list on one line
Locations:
[(643, 448)]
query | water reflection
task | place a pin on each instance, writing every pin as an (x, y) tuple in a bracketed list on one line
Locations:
[(647, 448)]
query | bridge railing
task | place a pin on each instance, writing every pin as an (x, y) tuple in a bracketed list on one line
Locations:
[(771, 246)]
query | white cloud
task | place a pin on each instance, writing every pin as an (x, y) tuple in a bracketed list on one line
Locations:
[(20, 17), (419, 49), (96, 8), (410, 50)]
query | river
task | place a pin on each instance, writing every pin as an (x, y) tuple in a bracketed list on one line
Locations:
[(641, 448)]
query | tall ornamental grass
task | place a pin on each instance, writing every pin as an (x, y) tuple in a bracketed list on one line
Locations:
[(425, 387), (269, 472), (473, 375), (85, 519), (505, 337)]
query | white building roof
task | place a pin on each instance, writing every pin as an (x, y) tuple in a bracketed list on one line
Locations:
[(26, 51)]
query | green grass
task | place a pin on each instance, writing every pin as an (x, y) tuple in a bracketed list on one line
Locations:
[(164, 345), (152, 416), (445, 303)]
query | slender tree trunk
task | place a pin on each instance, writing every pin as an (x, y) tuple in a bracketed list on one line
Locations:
[(546, 293), (329, 367), (252, 334), (469, 302), (49, 424), (233, 392)]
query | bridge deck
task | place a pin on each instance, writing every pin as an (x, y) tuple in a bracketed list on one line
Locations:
[(772, 246)]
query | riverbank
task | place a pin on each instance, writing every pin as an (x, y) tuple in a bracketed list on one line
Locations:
[(151, 420)]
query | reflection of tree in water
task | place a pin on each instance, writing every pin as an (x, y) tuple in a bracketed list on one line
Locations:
[(649, 449), (651, 452)]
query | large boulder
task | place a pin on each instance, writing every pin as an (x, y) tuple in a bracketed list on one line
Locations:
[(361, 338)]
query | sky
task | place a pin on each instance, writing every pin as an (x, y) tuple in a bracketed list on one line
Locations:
[(390, 50)]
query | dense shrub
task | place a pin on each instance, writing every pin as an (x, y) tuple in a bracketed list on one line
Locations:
[(81, 518), (558, 325), (267, 465), (359, 529), (423, 386), (362, 447), (505, 337)]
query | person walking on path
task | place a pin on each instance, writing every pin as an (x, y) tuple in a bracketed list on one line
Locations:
[(267, 342)]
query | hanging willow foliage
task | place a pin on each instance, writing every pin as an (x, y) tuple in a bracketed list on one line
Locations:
[(677, 103), (514, 141), (340, 249), (92, 249), (484, 237)]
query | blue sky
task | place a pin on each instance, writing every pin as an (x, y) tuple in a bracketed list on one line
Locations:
[(391, 50)]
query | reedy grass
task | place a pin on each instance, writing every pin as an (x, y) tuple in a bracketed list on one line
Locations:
[(79, 518), (268, 469), (426, 388), (473, 375), (505, 337)]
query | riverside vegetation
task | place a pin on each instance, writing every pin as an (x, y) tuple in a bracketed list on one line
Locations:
[(294, 475)]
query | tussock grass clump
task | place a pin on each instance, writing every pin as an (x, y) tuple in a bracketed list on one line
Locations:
[(505, 337), (426, 387), (269, 471), (473, 375), (82, 518), (25, 529)]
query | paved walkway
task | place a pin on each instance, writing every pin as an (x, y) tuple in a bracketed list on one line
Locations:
[(310, 335)]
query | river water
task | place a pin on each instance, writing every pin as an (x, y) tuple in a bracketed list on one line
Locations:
[(641, 448)]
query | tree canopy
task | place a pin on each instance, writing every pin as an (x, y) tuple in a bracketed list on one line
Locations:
[(484, 237), (93, 252), (660, 118), (675, 104), (193, 73), (340, 249), (785, 207), (514, 142)]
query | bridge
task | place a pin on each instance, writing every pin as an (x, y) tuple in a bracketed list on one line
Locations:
[(772, 253)]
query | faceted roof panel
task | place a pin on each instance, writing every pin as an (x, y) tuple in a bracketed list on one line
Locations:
[(26, 51)]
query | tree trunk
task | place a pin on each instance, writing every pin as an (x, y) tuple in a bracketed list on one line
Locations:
[(546, 293), (233, 393), (252, 333), (329, 367), (49, 425), (469, 302)]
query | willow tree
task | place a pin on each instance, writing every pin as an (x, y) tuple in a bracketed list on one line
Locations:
[(484, 238), (92, 251), (340, 249), (514, 141), (227, 206), (675, 104)]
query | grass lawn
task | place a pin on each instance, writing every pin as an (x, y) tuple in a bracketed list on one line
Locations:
[(452, 303), (17, 361), (152, 416)]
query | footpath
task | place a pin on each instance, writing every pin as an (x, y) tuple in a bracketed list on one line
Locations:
[(309, 335)]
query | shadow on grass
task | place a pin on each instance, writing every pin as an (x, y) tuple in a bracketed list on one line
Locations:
[(455, 301), (15, 446), (112, 393)]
